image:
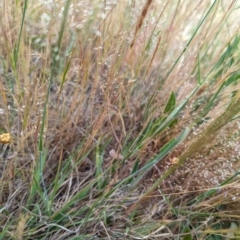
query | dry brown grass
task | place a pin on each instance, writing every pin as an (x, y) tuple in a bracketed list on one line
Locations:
[(116, 71), (67, 107)]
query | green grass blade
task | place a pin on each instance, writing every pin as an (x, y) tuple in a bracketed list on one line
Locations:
[(16, 49), (170, 104), (37, 178)]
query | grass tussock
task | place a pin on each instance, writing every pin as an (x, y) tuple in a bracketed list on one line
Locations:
[(119, 119)]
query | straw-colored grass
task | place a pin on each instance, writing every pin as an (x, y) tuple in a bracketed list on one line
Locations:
[(119, 119)]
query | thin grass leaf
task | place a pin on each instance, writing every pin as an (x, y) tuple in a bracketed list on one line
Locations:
[(5, 230), (199, 76), (37, 178), (16, 48), (99, 162), (56, 184), (135, 169), (66, 69), (56, 53), (212, 101), (187, 233), (41, 193), (171, 104), (226, 60)]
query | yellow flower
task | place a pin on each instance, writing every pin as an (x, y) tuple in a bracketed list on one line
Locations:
[(5, 138)]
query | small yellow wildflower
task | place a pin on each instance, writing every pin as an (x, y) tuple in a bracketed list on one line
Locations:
[(5, 138)]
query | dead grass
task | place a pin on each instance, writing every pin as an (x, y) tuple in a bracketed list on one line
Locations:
[(107, 83)]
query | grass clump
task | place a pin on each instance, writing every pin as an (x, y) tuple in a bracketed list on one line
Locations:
[(123, 120)]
